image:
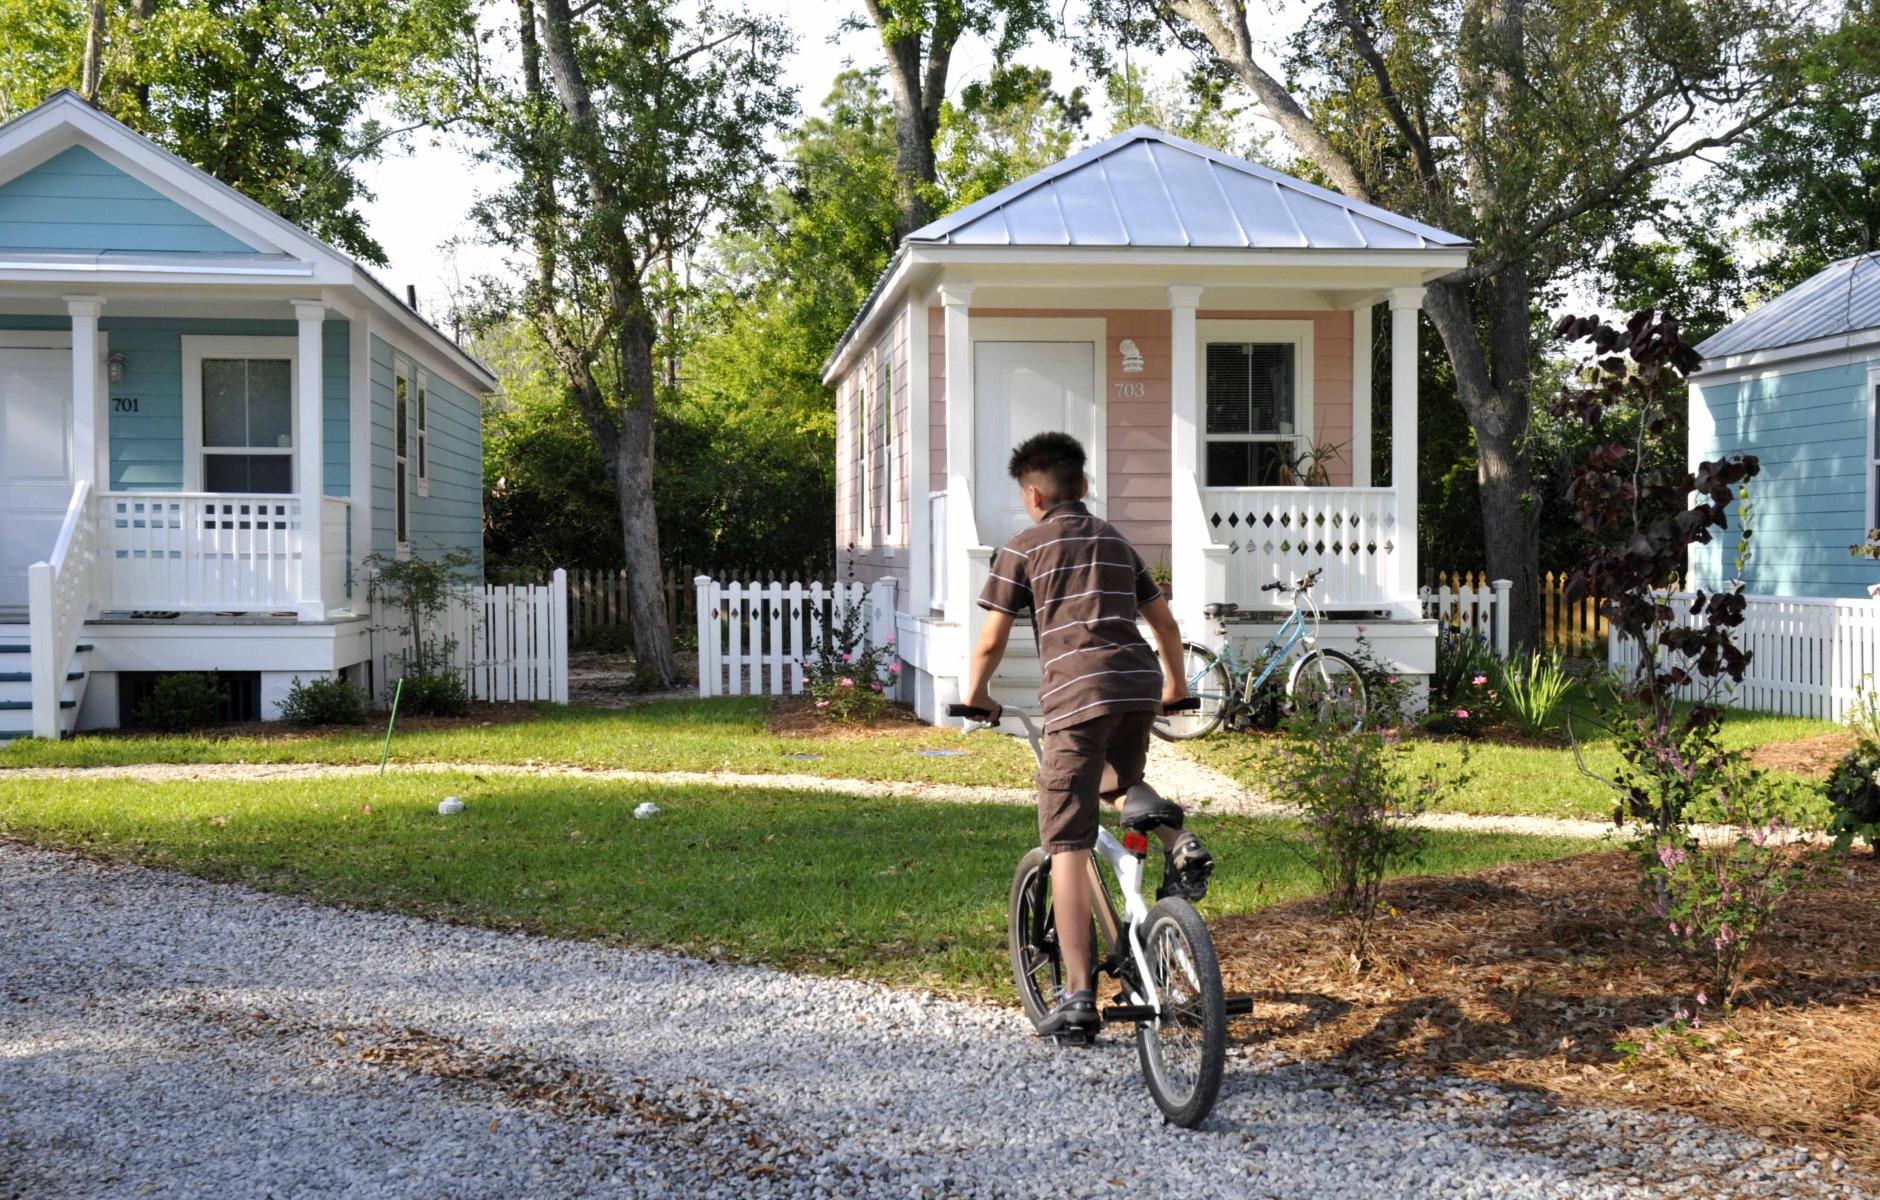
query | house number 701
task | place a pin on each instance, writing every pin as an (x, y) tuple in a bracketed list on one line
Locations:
[(1129, 390), (123, 404)]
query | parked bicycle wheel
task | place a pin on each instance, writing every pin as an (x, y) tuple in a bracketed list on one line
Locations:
[(1184, 1050), (1031, 935), (1328, 686), (1208, 682)]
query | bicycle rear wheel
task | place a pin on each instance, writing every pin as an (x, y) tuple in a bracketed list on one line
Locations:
[(1031, 936), (1207, 682), (1184, 1050), (1328, 686)]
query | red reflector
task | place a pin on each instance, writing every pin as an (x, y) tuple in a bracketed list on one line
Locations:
[(1136, 843)]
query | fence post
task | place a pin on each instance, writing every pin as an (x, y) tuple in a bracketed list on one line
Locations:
[(881, 610), (1503, 588), (558, 637), (707, 638)]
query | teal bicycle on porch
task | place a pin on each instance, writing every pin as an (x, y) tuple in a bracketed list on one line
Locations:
[(1325, 683)]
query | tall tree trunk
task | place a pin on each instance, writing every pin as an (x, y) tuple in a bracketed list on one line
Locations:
[(624, 427), (919, 88), (94, 53)]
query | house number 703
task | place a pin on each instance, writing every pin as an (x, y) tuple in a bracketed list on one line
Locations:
[(1129, 390), (123, 404)]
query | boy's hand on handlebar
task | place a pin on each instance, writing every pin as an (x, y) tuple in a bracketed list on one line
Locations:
[(1174, 691)]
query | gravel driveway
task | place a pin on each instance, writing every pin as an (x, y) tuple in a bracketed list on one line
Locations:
[(161, 1036)]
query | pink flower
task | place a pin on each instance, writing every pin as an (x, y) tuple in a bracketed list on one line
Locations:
[(875, 686), (1462, 714), (1479, 680), (891, 639), (822, 704), (1701, 997), (848, 658), (1361, 629), (847, 682), (894, 668)]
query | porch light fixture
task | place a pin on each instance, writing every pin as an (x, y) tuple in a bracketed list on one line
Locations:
[(114, 366), (1132, 357)]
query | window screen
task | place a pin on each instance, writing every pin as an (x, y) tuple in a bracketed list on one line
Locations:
[(1251, 413), (247, 425)]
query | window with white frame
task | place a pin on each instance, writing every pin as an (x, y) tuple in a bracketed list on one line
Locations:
[(858, 442), (1873, 451), (424, 435), (401, 452), (1252, 412), (885, 400), (239, 424)]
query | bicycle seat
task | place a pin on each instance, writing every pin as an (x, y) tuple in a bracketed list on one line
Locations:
[(1144, 808), (1215, 612)]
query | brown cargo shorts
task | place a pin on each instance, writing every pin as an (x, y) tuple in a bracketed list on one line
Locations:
[(1086, 763)]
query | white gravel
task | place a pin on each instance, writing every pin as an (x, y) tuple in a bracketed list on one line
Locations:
[(162, 1036)]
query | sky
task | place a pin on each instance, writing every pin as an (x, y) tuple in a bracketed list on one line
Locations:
[(423, 195)]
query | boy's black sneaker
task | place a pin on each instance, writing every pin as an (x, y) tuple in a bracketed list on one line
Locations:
[(1185, 870), (1072, 1019)]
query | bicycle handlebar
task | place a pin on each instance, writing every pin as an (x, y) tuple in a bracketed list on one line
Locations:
[(990, 716), (1301, 585)]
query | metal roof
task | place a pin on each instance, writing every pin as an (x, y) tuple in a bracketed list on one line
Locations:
[(1843, 298), (1145, 187)]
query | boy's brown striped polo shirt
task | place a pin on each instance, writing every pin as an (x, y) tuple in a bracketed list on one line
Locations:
[(1085, 585)]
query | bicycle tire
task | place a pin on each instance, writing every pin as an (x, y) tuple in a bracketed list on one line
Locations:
[(1208, 681), (1194, 1018), (1350, 704), (1031, 937)]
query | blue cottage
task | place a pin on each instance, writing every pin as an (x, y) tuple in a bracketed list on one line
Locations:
[(1797, 382)]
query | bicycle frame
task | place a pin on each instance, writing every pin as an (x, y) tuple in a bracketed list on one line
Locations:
[(1116, 931), (1278, 648)]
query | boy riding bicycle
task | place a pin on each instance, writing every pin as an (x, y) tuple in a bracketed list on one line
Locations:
[(1102, 688)]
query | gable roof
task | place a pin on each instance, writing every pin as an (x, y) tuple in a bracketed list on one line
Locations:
[(1843, 298), (268, 245), (1145, 187)]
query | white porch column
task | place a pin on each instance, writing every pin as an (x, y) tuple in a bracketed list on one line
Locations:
[(919, 461), (962, 524), (1404, 303), (309, 457), (1361, 395), (1188, 530), (85, 405)]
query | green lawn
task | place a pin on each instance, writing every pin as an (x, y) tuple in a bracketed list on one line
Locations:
[(902, 891), (1523, 780), (679, 735)]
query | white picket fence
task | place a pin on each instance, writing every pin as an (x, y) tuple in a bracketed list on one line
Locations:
[(1472, 607), (511, 642), (1808, 657), (752, 637)]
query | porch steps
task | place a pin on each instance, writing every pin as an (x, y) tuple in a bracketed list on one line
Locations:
[(16, 679)]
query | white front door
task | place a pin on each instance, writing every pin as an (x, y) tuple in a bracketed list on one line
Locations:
[(1019, 389), (35, 460)]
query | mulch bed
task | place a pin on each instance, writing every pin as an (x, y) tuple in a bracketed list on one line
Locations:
[(1810, 757), (1528, 974), (798, 717)]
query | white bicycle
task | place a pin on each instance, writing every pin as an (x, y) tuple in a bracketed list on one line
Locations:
[(1161, 956)]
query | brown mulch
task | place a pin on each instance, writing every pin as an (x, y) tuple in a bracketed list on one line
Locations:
[(798, 717), (1528, 974), (1811, 757)]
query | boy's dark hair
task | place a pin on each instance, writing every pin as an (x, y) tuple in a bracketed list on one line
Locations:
[(1057, 459)]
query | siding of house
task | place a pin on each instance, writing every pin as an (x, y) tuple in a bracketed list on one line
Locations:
[(876, 548), (451, 516), (76, 201), (1809, 428), (147, 444)]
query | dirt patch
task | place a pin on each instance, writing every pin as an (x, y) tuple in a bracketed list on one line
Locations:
[(1531, 974), (798, 717), (1810, 757), (605, 679)]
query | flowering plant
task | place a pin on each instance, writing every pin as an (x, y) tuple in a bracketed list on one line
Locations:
[(1716, 900), (1854, 791), (849, 678)]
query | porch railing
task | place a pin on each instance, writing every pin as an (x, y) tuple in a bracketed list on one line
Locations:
[(1277, 534), (199, 551), (59, 598)]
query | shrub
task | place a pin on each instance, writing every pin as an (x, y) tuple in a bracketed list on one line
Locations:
[(1354, 797), (434, 693), (1460, 656), (845, 675), (1387, 692), (331, 701), (184, 701), (1531, 690), (1854, 793)]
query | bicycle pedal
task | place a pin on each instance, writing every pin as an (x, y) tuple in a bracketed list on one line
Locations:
[(1074, 1037)]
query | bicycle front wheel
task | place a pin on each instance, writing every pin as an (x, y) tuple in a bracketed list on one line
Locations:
[(1207, 682), (1184, 1049), (1327, 686)]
